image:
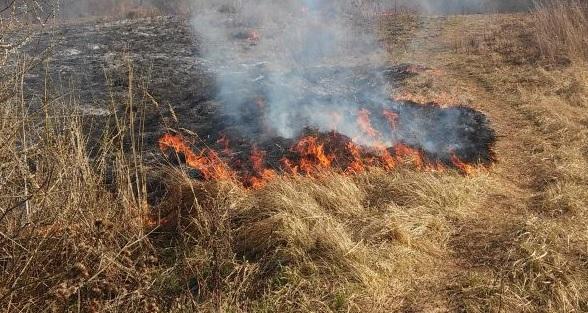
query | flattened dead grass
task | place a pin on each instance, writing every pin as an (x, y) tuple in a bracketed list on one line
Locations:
[(352, 242)]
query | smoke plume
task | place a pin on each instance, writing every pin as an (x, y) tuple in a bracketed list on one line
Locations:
[(285, 67), (305, 58)]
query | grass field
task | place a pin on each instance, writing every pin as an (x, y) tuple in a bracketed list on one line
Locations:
[(513, 238)]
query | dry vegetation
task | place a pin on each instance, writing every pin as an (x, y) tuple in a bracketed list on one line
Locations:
[(300, 244), (78, 228), (527, 252), (561, 29)]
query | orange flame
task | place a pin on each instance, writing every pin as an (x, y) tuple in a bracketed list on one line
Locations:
[(207, 162), (405, 152), (288, 166), (312, 155), (225, 142), (388, 162), (461, 165), (363, 120), (435, 167), (356, 165), (262, 174)]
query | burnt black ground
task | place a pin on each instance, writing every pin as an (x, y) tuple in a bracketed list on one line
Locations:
[(88, 67)]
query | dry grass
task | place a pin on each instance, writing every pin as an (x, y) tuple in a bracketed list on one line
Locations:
[(103, 231), (561, 28), (77, 226), (77, 231), (330, 244), (527, 250)]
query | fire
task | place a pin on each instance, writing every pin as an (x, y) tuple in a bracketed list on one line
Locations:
[(288, 166), (356, 165), (464, 167), (309, 155), (404, 152), (312, 155), (225, 143), (388, 161), (363, 120), (208, 163), (392, 118), (262, 174)]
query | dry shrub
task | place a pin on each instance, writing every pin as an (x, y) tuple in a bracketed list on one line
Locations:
[(561, 28), (65, 235)]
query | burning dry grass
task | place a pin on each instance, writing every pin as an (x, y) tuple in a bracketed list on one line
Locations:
[(328, 243), (103, 232)]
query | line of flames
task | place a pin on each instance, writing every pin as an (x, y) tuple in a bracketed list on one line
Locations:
[(312, 157)]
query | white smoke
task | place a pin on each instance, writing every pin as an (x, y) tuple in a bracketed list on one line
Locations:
[(304, 64), (318, 64)]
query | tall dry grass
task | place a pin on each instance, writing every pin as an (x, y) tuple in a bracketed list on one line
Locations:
[(561, 28), (63, 231)]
